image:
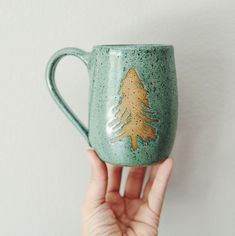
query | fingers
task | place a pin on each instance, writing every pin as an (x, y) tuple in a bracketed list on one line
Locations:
[(134, 182), (98, 182), (159, 185), (149, 183), (114, 178)]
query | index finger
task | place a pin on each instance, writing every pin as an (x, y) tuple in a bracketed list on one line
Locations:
[(158, 189)]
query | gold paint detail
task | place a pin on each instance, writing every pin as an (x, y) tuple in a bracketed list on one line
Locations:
[(131, 113)]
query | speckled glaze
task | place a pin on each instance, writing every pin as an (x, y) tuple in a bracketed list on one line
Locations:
[(108, 65)]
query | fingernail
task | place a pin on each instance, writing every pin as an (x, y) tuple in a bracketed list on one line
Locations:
[(90, 150)]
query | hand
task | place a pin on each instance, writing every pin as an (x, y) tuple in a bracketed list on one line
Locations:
[(106, 212)]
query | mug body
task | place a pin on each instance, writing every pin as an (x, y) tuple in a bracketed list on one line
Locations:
[(132, 103)]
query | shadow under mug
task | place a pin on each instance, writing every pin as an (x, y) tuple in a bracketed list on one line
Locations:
[(132, 101)]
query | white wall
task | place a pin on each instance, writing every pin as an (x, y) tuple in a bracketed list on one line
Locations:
[(43, 166)]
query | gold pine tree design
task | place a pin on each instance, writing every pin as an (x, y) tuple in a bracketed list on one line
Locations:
[(131, 113)]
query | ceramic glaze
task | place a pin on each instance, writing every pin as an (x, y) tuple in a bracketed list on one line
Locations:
[(132, 101)]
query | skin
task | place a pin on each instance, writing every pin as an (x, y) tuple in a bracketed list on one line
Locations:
[(105, 212)]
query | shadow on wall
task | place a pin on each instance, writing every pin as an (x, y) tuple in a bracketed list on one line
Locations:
[(199, 38)]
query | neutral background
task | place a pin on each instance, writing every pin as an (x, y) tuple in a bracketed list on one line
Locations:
[(44, 170)]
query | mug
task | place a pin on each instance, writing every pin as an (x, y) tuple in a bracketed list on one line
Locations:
[(132, 101)]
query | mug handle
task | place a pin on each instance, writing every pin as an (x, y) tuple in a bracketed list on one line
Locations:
[(50, 78)]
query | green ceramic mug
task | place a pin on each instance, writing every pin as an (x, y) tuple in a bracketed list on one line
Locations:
[(132, 101)]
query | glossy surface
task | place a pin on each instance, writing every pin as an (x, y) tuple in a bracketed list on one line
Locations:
[(50, 77), (132, 103)]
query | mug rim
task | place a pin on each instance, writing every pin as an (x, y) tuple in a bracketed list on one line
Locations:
[(114, 46)]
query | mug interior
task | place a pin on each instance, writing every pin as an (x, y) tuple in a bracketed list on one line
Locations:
[(133, 46)]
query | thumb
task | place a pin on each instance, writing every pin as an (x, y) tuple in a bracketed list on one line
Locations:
[(98, 182)]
